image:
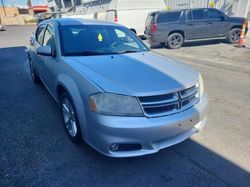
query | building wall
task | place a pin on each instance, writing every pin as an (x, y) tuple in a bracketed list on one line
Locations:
[(243, 8), (14, 16), (230, 7), (16, 20), (224, 5), (10, 11)]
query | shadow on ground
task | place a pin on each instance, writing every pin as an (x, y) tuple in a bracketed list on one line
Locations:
[(35, 150), (195, 43)]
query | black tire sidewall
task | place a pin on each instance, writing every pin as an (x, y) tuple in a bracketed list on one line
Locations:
[(76, 139), (36, 78), (167, 44)]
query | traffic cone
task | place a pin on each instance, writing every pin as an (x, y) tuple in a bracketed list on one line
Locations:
[(242, 34)]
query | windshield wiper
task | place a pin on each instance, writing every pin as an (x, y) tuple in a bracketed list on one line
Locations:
[(128, 51), (89, 53), (85, 53)]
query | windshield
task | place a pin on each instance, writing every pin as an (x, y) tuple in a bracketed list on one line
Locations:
[(83, 40)]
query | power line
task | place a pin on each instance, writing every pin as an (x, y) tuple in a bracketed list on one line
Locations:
[(3, 8)]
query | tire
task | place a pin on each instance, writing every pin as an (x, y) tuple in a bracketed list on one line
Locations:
[(34, 76), (233, 36), (174, 41), (69, 118)]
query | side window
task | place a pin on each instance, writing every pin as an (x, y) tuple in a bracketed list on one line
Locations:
[(125, 39), (189, 15), (39, 34), (198, 14), (168, 17), (49, 36), (214, 14)]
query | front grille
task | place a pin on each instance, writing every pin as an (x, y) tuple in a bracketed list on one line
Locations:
[(167, 104)]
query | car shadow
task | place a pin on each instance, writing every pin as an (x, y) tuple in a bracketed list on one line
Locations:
[(183, 161), (201, 43), (193, 44)]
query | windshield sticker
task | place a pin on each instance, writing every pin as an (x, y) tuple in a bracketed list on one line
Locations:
[(99, 37)]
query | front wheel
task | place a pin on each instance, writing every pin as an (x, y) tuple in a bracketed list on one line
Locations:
[(234, 36), (70, 118), (174, 41)]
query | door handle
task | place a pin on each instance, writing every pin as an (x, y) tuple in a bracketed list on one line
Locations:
[(191, 24), (210, 23)]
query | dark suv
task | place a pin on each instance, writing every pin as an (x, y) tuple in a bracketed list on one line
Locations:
[(172, 28)]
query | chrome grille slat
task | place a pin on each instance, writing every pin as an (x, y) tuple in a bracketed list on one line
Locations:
[(189, 92), (161, 105), (158, 104)]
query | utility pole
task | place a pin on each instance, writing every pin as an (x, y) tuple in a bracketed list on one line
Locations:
[(3, 8)]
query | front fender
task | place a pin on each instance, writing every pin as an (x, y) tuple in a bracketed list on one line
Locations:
[(69, 84)]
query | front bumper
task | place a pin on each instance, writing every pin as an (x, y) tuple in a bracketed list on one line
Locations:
[(152, 134)]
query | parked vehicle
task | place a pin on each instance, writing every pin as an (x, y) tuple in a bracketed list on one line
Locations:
[(2, 27), (120, 97), (173, 28), (129, 13)]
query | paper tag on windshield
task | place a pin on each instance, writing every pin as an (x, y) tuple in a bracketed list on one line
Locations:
[(99, 37)]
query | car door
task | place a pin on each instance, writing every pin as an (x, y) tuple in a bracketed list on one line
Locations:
[(217, 26), (196, 27), (48, 64)]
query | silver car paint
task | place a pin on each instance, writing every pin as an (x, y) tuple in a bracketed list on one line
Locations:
[(127, 74), (134, 74)]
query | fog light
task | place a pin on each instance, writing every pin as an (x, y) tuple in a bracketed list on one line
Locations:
[(114, 147), (198, 125)]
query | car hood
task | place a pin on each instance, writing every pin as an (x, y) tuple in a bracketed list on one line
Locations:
[(136, 74), (236, 19)]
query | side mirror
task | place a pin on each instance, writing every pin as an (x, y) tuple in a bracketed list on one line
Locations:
[(32, 39), (45, 50)]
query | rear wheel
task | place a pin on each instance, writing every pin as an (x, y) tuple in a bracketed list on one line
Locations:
[(70, 118), (234, 36), (34, 76), (174, 41)]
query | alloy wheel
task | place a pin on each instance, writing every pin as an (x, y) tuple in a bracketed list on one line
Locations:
[(69, 117), (235, 36)]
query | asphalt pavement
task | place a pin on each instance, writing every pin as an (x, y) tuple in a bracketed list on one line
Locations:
[(35, 150)]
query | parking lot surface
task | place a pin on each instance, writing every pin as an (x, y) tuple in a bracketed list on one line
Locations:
[(35, 149)]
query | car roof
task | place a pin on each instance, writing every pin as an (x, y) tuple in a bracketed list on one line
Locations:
[(178, 10), (78, 21)]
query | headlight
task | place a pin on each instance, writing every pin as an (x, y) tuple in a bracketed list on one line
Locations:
[(116, 105), (201, 85)]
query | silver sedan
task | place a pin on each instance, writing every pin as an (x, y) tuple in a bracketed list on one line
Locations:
[(114, 93)]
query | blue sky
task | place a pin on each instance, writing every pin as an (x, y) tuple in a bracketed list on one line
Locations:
[(23, 2)]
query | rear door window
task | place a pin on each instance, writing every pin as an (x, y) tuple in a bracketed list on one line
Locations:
[(214, 14), (198, 14), (168, 17)]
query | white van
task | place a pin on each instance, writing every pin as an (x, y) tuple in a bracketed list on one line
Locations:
[(130, 13)]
